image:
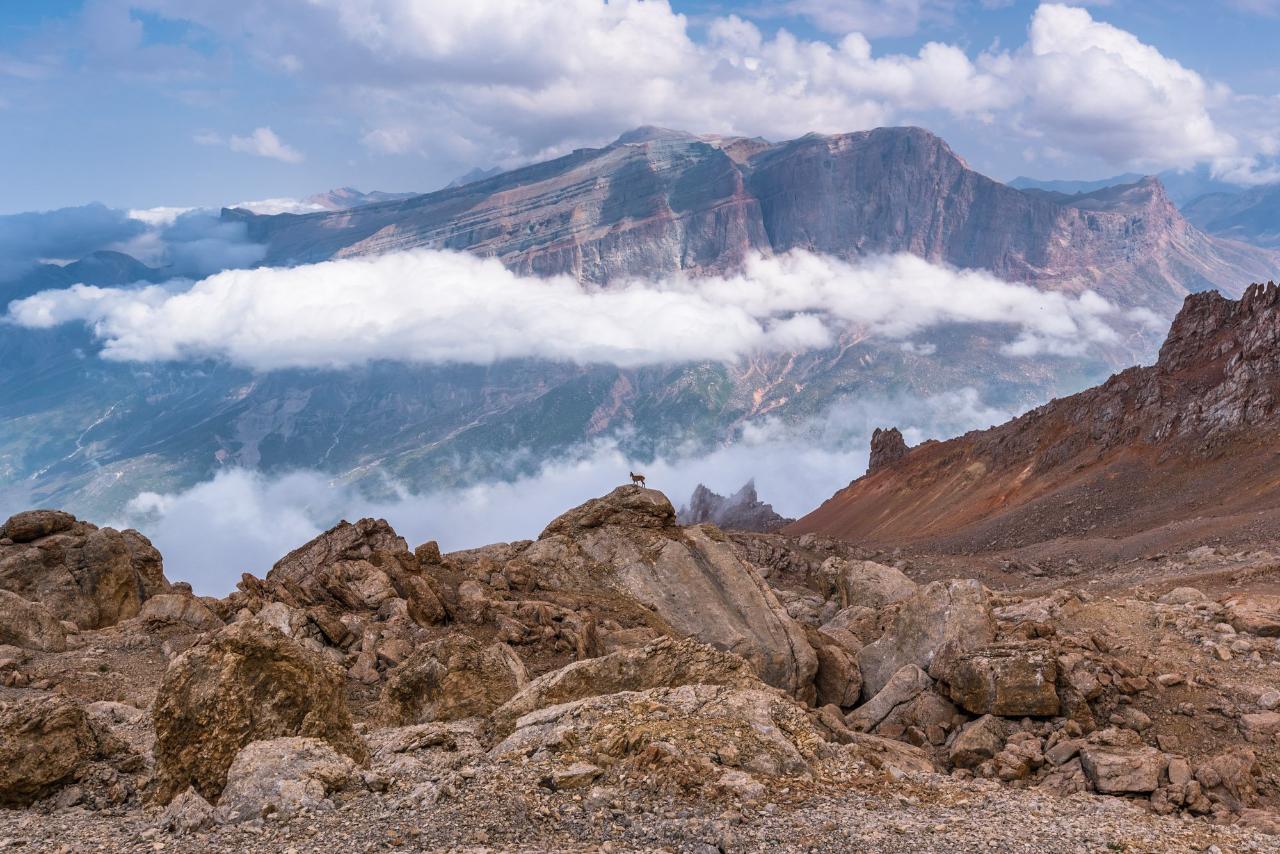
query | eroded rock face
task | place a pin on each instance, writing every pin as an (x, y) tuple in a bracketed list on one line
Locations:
[(691, 578), (353, 568), (93, 577), (452, 678), (283, 776), (246, 683), (43, 741), (887, 447), (664, 663), (29, 624), (901, 688), (953, 614)]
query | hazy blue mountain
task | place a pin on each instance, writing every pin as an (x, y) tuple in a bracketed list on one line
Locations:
[(1252, 216), (1069, 187)]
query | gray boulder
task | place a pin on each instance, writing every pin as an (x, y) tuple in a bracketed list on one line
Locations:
[(952, 614)]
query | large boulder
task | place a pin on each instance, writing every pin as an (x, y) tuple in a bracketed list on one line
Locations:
[(838, 681), (94, 577), (1008, 680), (627, 543), (664, 663), (180, 608), (36, 524), (1123, 768), (903, 687), (867, 583), (350, 569), (43, 742), (283, 776), (454, 677), (246, 683), (954, 615), (708, 725), (978, 741), (1256, 614), (29, 624)]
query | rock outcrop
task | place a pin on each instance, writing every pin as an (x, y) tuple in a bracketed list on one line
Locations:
[(29, 624), (93, 577), (887, 447), (664, 663), (353, 568), (451, 678), (43, 743), (690, 577), (246, 683), (752, 730)]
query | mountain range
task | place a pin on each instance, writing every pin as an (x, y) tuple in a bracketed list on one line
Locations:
[(89, 434)]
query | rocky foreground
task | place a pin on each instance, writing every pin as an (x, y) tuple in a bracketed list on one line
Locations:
[(624, 683)]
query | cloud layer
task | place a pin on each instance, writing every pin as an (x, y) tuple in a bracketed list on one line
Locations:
[(446, 307), (512, 80), (243, 521)]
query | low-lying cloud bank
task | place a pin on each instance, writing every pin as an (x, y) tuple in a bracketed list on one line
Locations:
[(188, 242), (243, 521), (441, 307)]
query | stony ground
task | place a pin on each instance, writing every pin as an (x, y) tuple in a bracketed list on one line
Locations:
[(486, 807), (670, 745)]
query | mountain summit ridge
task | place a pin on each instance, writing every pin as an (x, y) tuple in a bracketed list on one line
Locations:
[(658, 202)]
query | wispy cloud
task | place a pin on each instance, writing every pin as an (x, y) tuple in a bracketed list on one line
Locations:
[(263, 142), (446, 307)]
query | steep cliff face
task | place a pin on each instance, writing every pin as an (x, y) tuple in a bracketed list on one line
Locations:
[(652, 203), (656, 202), (1191, 435)]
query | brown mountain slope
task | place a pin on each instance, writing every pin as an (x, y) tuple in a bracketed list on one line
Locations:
[(1186, 449)]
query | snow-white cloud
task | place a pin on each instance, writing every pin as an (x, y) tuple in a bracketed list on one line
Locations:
[(447, 307), (514, 80), (1094, 87), (243, 521)]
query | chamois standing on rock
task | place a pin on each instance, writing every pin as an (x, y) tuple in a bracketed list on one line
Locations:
[(638, 478)]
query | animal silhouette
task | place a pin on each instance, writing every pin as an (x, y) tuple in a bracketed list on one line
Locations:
[(637, 478)]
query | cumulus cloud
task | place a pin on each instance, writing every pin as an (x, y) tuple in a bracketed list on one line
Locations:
[(1094, 87), (243, 521), (447, 307), (263, 142), (513, 80)]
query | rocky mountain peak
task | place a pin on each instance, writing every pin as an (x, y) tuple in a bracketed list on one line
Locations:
[(652, 133), (1210, 327), (742, 511), (887, 447)]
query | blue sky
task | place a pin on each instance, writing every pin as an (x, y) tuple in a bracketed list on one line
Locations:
[(202, 102)]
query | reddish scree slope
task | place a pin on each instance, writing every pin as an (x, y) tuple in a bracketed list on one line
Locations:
[(1190, 444)]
